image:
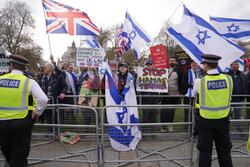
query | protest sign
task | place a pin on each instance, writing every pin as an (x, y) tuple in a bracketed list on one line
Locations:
[(4, 60), (152, 80), (184, 61), (159, 56), (113, 66), (89, 57)]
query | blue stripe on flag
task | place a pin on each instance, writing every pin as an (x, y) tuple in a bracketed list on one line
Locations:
[(237, 35), (204, 23), (220, 19), (90, 44), (187, 43), (113, 90), (119, 135), (136, 54), (142, 35), (240, 62)]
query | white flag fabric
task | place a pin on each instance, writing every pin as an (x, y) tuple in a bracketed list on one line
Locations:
[(236, 29), (136, 35), (122, 138), (197, 37)]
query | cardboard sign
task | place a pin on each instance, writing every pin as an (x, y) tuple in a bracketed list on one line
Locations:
[(89, 57), (152, 80), (159, 56), (4, 60), (184, 61)]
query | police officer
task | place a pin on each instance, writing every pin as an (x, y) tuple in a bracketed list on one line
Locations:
[(15, 118), (214, 98)]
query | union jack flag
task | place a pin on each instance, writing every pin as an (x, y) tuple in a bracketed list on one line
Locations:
[(123, 41), (64, 19)]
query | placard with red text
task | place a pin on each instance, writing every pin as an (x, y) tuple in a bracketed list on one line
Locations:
[(152, 80)]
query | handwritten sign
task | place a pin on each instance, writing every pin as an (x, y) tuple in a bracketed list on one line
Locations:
[(89, 57), (152, 80)]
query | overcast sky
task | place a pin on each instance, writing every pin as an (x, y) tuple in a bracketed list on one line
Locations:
[(150, 14)]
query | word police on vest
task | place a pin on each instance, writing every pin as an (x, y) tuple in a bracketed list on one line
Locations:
[(9, 83), (217, 84)]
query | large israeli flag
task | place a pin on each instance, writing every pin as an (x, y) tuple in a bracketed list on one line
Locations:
[(137, 36), (236, 29), (122, 138), (197, 37)]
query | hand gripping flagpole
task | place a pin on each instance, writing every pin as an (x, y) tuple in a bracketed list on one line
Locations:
[(47, 32), (164, 27)]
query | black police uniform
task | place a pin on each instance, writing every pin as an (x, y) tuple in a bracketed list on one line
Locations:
[(16, 133), (216, 130)]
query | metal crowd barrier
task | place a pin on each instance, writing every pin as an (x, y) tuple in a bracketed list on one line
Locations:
[(175, 147), (50, 146)]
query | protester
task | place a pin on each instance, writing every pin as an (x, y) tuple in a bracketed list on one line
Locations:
[(53, 85), (240, 88), (71, 81), (187, 87), (15, 117), (174, 88), (122, 77), (149, 115), (214, 93), (83, 75)]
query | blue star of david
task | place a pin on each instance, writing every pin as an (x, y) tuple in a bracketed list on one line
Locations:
[(132, 34), (233, 28), (202, 36), (101, 71)]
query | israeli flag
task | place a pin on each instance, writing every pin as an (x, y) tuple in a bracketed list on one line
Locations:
[(91, 41), (236, 29), (198, 37), (102, 69), (137, 36), (122, 138)]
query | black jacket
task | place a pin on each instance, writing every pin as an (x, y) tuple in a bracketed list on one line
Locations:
[(240, 85)]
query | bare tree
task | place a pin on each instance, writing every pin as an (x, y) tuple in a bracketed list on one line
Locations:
[(16, 24)]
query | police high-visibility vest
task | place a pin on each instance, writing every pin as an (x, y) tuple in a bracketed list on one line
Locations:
[(14, 96), (215, 93)]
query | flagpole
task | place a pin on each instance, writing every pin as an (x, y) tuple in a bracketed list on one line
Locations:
[(181, 3), (47, 32)]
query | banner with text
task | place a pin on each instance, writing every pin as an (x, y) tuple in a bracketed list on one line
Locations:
[(89, 57), (159, 56), (152, 80), (4, 60), (184, 61)]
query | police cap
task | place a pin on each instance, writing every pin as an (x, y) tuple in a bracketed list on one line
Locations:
[(19, 60), (210, 58)]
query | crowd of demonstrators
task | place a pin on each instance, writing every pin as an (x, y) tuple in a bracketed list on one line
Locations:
[(65, 82), (239, 88)]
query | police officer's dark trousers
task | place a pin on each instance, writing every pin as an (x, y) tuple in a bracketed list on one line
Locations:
[(216, 130), (15, 140)]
